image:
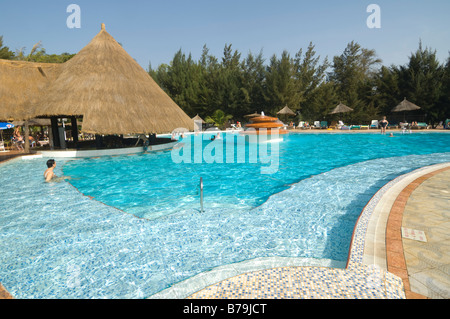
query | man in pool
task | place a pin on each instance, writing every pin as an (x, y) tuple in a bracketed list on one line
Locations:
[(49, 173)]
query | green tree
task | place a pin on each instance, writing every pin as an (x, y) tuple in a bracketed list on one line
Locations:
[(354, 74), (39, 54), (444, 101), (387, 92), (219, 118), (280, 88), (253, 78), (421, 82), (5, 53), (321, 102), (309, 76)]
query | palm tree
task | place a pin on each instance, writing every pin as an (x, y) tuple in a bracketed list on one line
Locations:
[(219, 118)]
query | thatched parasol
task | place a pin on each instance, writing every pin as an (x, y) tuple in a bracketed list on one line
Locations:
[(252, 115), (286, 111), (112, 92), (21, 83), (405, 106), (341, 108)]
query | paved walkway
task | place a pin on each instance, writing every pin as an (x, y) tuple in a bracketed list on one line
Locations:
[(418, 248), (406, 237)]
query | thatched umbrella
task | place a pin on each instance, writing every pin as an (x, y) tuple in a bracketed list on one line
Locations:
[(112, 92), (252, 115), (286, 111), (341, 108), (404, 107)]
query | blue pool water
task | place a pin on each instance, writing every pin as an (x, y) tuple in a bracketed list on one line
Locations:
[(57, 243)]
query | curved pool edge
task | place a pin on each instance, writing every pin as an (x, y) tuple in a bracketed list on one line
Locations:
[(365, 274), (368, 244), (218, 274)]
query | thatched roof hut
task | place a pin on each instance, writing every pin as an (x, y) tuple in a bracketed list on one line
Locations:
[(112, 92), (21, 84)]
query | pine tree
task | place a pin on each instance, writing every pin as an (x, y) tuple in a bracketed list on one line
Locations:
[(421, 81), (280, 88), (354, 72), (5, 53)]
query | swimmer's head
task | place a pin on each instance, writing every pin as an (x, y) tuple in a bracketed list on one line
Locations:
[(50, 163)]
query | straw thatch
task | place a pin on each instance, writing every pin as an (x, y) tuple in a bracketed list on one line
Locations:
[(286, 111), (34, 122), (405, 105), (252, 115), (21, 83), (341, 108), (112, 92)]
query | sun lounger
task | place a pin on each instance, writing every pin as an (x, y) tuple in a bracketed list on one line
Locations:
[(340, 125), (419, 126), (355, 127), (447, 124), (43, 142), (324, 125), (392, 126), (374, 124), (316, 124), (366, 127)]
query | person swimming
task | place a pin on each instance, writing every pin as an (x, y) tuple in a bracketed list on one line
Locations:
[(49, 173)]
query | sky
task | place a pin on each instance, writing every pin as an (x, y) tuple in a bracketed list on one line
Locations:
[(153, 31)]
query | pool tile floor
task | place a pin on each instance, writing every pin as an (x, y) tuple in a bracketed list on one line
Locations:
[(382, 263), (391, 268)]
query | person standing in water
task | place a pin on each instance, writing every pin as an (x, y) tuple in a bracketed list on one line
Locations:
[(383, 124)]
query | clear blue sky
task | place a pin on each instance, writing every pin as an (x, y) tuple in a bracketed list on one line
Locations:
[(152, 31)]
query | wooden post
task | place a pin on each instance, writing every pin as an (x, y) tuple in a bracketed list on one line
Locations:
[(55, 133), (74, 130), (27, 137)]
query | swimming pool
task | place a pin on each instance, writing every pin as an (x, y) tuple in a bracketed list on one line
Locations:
[(57, 243)]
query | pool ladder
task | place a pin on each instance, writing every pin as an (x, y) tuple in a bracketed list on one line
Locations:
[(201, 194)]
